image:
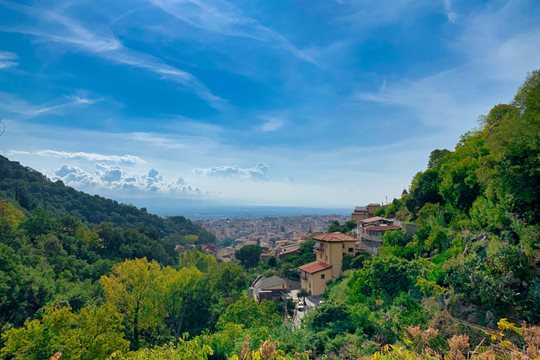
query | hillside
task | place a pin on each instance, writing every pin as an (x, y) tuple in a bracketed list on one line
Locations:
[(32, 190)]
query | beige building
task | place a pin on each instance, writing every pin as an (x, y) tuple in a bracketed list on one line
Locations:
[(330, 250)]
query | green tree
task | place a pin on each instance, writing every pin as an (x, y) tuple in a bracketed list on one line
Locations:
[(512, 134), (247, 312), (200, 260), (94, 333), (249, 255), (228, 279), (188, 298), (182, 349), (135, 289), (384, 276)]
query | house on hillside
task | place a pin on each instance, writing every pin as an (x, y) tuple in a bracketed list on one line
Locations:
[(269, 288), (370, 232), (364, 212), (330, 249)]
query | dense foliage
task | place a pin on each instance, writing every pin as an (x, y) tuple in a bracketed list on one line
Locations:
[(451, 285)]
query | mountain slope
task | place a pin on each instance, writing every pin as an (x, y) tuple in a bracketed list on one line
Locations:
[(32, 190)]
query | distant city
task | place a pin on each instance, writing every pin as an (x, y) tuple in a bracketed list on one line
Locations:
[(267, 229)]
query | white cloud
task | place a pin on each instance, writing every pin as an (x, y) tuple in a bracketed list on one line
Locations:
[(272, 124), (58, 28), (258, 172), (76, 177), (114, 178), (7, 59), (120, 159)]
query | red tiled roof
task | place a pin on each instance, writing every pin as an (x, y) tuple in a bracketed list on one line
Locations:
[(334, 237), (314, 267), (382, 228)]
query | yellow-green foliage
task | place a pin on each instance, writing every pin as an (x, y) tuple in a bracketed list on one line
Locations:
[(10, 214), (135, 289), (94, 333), (89, 237), (182, 350)]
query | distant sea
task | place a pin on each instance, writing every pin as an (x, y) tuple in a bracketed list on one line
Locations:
[(259, 211), (203, 210)]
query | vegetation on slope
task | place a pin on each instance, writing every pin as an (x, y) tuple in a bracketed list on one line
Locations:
[(32, 191)]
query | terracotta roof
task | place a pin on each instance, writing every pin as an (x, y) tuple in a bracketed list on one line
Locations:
[(314, 267), (334, 237), (382, 228)]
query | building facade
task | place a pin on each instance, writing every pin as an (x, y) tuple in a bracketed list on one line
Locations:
[(370, 232), (330, 249), (364, 212)]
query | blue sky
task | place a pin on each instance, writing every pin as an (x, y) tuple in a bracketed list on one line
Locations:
[(315, 103)]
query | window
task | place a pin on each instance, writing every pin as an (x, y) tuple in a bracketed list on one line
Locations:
[(322, 276), (343, 246), (351, 250)]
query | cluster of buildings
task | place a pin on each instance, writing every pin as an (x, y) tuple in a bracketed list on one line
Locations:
[(330, 249), (277, 236)]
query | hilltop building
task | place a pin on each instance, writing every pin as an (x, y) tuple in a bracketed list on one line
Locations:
[(330, 249), (370, 232), (364, 212)]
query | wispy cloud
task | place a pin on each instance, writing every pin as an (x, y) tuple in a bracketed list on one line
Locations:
[(222, 17), (13, 105), (451, 15), (367, 13), (59, 28), (258, 172), (119, 159), (156, 140), (454, 98), (7, 59), (272, 124)]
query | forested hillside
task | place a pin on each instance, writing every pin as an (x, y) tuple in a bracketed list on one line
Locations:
[(32, 190), (464, 285)]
